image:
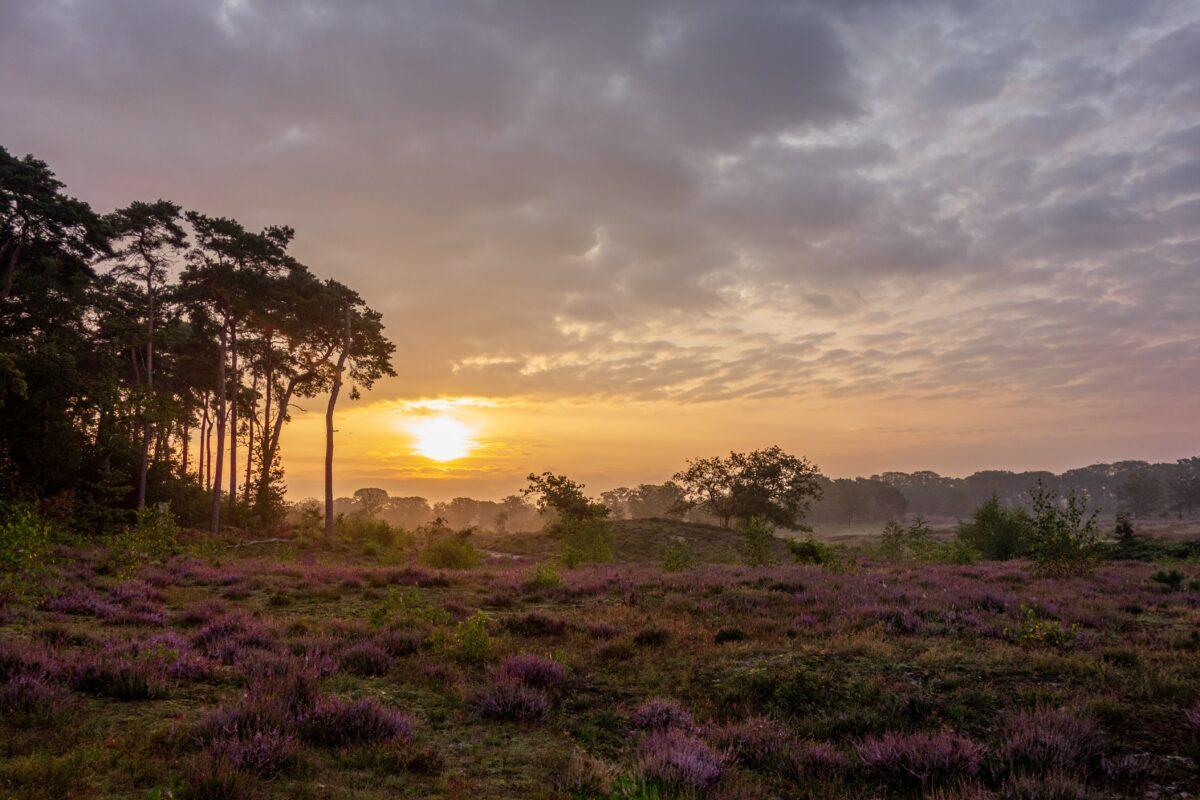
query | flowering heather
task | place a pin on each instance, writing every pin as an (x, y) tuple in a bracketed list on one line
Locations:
[(135, 592), (81, 603), (511, 700), (29, 697), (262, 752), (820, 761), (679, 760), (335, 722), (533, 670), (919, 759), (109, 673), (366, 658), (400, 643), (535, 623), (757, 743), (201, 613), (1048, 738), (661, 713)]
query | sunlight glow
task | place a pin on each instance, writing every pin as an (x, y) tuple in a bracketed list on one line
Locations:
[(442, 438)]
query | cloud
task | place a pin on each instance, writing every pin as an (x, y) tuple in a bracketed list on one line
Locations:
[(691, 201)]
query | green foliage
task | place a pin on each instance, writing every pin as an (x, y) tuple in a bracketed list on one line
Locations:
[(565, 497), (448, 549), (912, 542), (469, 640), (1034, 629), (544, 576), (152, 537), (757, 539), (1062, 534), (771, 484), (586, 540), (997, 533), (676, 556), (810, 551), (25, 549), (406, 607), (1172, 579)]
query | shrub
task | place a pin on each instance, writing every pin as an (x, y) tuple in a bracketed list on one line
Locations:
[(758, 743), (1172, 579), (679, 760), (1062, 536), (29, 699), (447, 549), (585, 540), (512, 700), (659, 713), (919, 759), (366, 658), (810, 551), (25, 549), (121, 677), (469, 641), (532, 670), (263, 753), (676, 557), (154, 535), (335, 722), (544, 576), (995, 532), (216, 779), (1046, 739), (912, 542), (757, 539), (400, 643)]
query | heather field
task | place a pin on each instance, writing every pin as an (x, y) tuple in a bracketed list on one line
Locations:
[(281, 673)]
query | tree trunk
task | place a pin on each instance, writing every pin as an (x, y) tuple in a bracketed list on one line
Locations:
[(264, 439), (250, 420), (10, 270), (215, 526), (148, 400), (333, 397), (186, 440), (203, 456), (233, 415)]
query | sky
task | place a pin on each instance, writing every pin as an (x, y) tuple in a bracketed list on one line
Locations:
[(609, 237)]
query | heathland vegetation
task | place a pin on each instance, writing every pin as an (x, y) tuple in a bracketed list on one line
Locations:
[(1006, 635)]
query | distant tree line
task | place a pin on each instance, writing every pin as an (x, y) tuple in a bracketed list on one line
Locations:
[(1135, 487), (154, 355)]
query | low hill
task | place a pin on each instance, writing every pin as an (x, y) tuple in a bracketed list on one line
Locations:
[(638, 541)]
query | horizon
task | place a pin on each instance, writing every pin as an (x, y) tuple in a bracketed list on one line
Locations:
[(608, 243)]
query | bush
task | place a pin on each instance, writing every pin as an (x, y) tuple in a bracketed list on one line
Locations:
[(366, 658), (153, 536), (995, 532), (660, 713), (544, 576), (919, 760), (757, 539), (512, 700), (334, 722), (447, 549), (1172, 579), (25, 549), (469, 641), (679, 760), (531, 670), (1062, 535), (585, 540), (676, 557), (1050, 739), (810, 551), (913, 542)]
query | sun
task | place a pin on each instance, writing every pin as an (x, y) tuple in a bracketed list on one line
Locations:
[(442, 438)]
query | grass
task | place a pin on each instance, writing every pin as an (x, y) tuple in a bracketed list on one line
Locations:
[(793, 680)]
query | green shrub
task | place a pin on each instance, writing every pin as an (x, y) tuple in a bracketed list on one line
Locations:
[(810, 551), (913, 542), (757, 539), (676, 557), (448, 549), (469, 641), (995, 532), (1062, 534), (1172, 579), (544, 576), (25, 549), (584, 540), (153, 536)]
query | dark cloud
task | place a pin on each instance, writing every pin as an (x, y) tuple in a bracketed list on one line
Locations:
[(690, 200)]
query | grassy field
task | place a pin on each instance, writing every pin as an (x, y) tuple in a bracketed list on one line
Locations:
[(294, 675)]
